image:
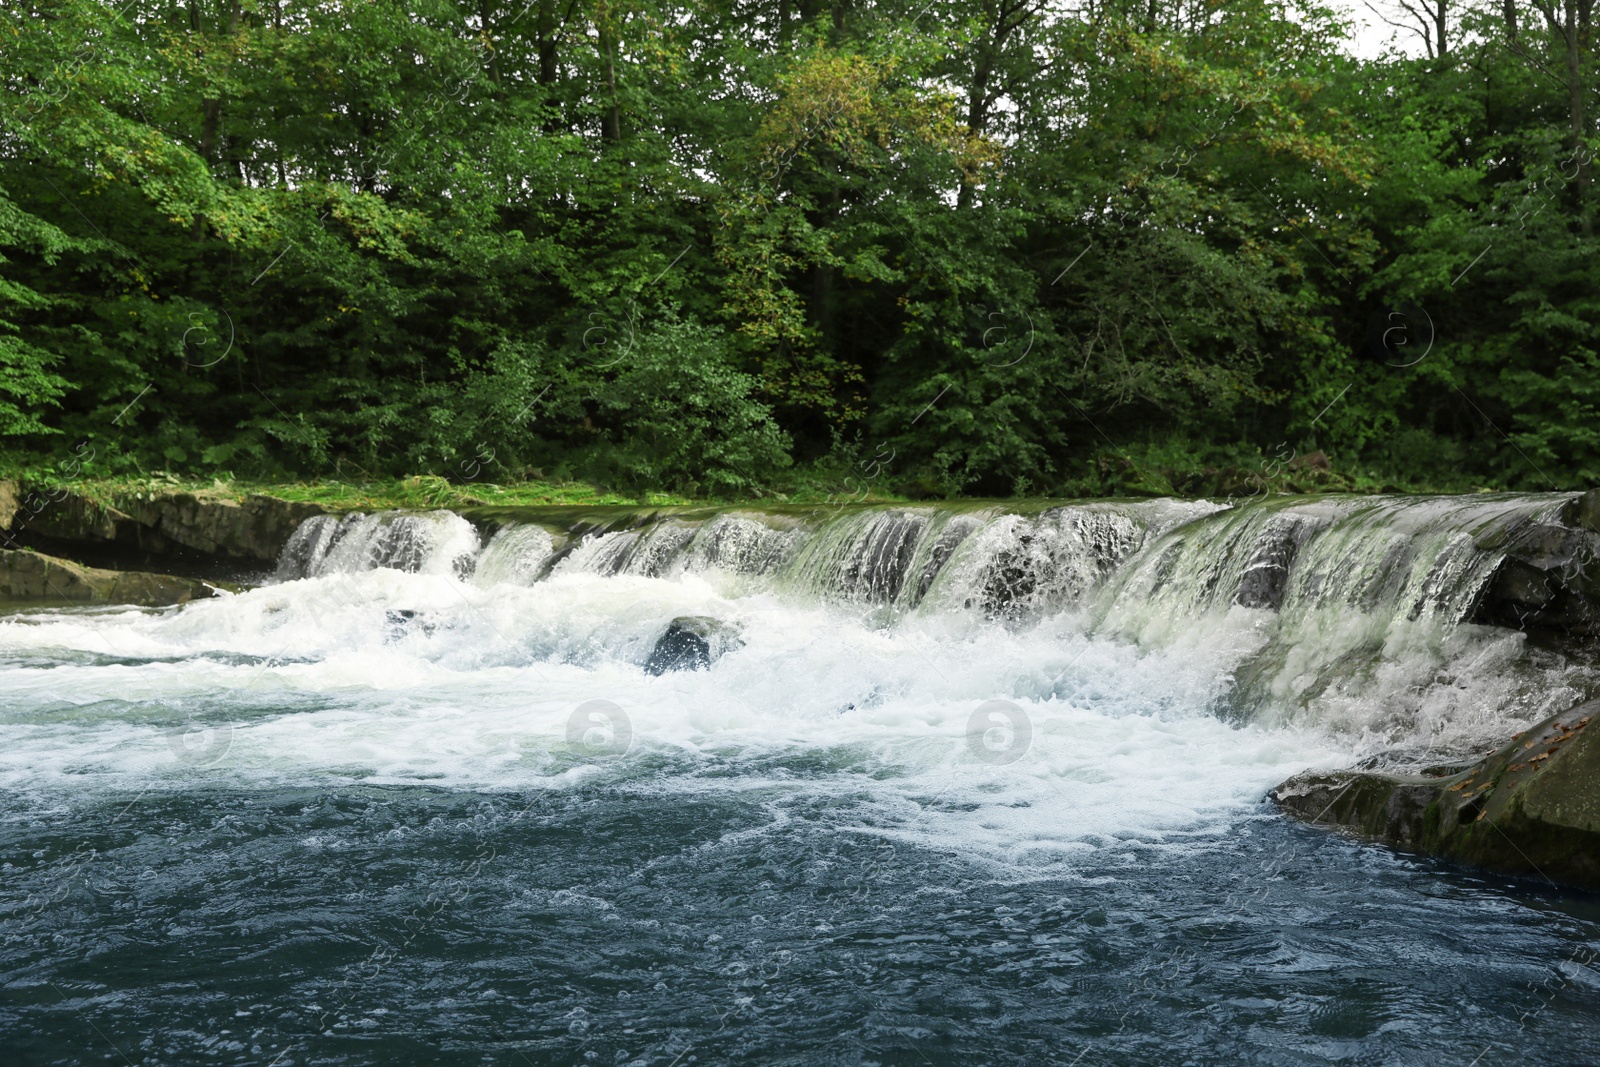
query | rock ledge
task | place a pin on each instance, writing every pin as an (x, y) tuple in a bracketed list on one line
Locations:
[(1530, 808), (26, 575), (215, 525)]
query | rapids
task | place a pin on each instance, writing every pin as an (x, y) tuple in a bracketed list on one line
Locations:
[(965, 702)]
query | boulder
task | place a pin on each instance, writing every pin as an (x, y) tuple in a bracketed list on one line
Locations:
[(1584, 512), (402, 621), (214, 524), (255, 527), (691, 643), (1549, 578), (1266, 572), (1531, 807), (26, 575), (60, 515)]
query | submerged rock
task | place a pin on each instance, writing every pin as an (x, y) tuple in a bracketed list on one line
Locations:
[(1530, 808), (1266, 573), (26, 575), (691, 643), (401, 621)]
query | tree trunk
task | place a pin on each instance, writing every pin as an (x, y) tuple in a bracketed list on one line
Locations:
[(822, 280), (1575, 87), (611, 120), (977, 113), (488, 38), (549, 65), (210, 106)]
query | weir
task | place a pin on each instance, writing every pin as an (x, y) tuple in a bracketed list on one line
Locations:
[(1371, 617)]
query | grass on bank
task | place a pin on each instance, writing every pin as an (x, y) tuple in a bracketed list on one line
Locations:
[(419, 492), (1175, 468)]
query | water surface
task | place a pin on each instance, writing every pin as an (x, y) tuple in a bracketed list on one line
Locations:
[(440, 814)]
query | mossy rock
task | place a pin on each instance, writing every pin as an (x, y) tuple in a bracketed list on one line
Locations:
[(33, 576), (216, 524), (255, 527), (1530, 808)]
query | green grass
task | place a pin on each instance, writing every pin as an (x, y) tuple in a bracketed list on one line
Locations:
[(1176, 468), (416, 492)]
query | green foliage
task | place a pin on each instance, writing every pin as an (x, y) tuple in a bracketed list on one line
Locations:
[(727, 249), (28, 380)]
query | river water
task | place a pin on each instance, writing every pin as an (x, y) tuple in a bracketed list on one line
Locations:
[(965, 787)]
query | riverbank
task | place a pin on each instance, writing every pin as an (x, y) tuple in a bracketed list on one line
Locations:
[(824, 482)]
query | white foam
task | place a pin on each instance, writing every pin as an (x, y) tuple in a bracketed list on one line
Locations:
[(381, 676), (516, 555), (476, 690)]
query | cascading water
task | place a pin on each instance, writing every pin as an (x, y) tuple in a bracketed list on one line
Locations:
[(970, 784), (436, 542), (1353, 613), (1350, 614)]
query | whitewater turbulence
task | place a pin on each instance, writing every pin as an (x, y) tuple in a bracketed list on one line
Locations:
[(1020, 685)]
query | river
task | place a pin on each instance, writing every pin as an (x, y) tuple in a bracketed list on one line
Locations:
[(963, 785)]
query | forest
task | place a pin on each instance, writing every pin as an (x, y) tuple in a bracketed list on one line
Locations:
[(931, 247)]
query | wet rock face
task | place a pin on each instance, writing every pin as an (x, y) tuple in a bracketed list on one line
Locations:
[(691, 643), (1530, 808), (1550, 579), (1053, 560), (1584, 512), (1266, 574), (63, 516), (32, 576), (253, 528)]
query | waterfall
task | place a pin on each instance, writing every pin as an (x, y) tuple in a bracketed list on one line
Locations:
[(1404, 558), (1353, 612), (515, 555), (1148, 565), (1080, 671), (435, 542), (1356, 613)]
